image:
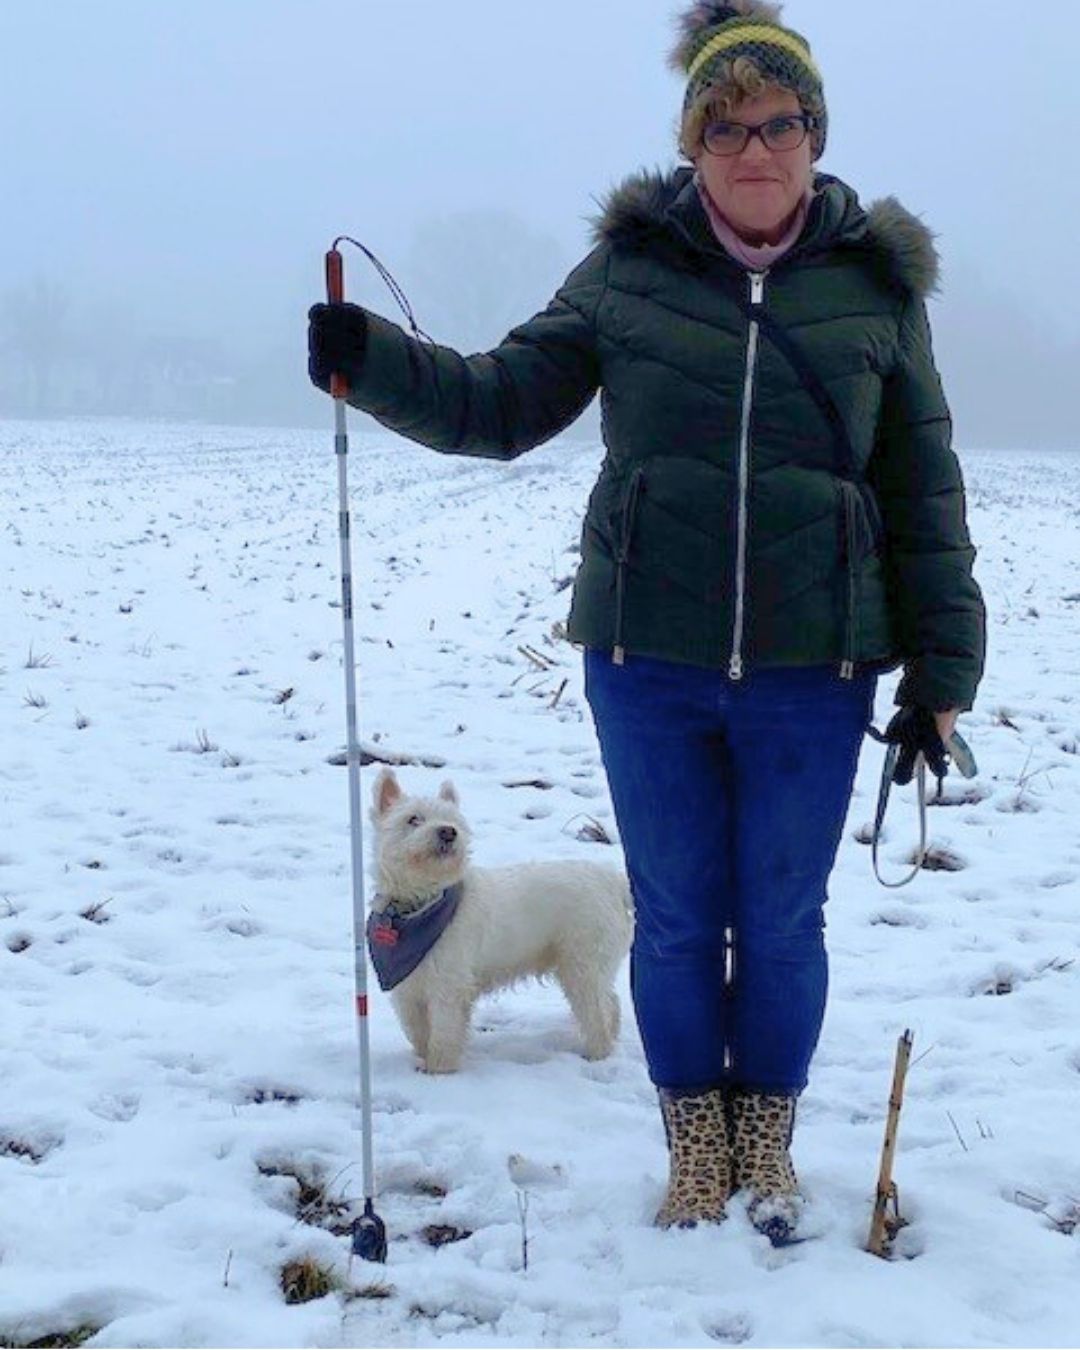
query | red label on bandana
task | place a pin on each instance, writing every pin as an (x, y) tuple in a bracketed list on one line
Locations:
[(397, 943)]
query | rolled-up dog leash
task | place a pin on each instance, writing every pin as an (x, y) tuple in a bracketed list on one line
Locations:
[(959, 754)]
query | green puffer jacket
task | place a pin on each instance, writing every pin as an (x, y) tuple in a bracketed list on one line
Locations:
[(734, 524)]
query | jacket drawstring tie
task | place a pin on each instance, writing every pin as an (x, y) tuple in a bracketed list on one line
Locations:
[(618, 654)]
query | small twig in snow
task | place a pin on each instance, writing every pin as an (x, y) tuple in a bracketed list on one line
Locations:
[(537, 658), (958, 1134), (523, 1214)]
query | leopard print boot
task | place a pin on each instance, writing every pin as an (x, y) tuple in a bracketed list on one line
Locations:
[(761, 1129), (700, 1159)]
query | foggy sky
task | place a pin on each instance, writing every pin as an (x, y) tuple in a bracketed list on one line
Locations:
[(189, 161)]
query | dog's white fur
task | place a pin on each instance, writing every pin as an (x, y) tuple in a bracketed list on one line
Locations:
[(571, 920)]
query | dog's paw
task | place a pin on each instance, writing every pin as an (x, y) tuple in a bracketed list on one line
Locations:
[(439, 1066)]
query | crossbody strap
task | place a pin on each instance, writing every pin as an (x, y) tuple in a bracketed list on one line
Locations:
[(810, 380)]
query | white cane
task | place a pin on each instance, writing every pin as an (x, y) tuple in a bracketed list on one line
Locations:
[(369, 1231)]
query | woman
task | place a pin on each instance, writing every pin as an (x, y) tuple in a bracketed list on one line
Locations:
[(778, 519)]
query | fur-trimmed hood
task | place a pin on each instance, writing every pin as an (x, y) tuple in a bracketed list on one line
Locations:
[(653, 204)]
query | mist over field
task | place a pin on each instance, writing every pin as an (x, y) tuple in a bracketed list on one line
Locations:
[(180, 169)]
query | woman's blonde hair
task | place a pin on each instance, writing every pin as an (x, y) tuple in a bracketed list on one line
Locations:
[(738, 81)]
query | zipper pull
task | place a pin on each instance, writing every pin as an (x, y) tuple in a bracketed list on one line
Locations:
[(757, 288), (735, 667)]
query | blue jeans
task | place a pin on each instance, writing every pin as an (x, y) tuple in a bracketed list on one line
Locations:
[(730, 798)]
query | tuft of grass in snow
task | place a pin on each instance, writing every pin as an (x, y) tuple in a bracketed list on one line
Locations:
[(39, 662), (397, 759), (12, 1147), (304, 1280), (259, 1096), (592, 832), (435, 1189), (1063, 1215), (375, 1290), (203, 744), (95, 913), (440, 1234), (312, 1202), (74, 1336)]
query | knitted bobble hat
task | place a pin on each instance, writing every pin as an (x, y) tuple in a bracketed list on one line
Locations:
[(713, 34)]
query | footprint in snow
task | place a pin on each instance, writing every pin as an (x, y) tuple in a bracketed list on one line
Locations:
[(896, 916), (1003, 981), (531, 1172), (939, 859), (729, 1328), (116, 1106)]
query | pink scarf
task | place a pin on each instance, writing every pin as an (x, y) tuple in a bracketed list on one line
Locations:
[(756, 257)]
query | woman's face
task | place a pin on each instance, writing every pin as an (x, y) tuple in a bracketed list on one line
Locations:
[(758, 189)]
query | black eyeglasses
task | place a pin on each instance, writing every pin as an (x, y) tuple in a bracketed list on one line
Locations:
[(779, 133)]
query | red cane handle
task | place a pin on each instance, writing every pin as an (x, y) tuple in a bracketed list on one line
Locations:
[(335, 277), (335, 292)]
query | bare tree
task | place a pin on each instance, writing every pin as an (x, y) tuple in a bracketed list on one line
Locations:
[(35, 317), (476, 274)]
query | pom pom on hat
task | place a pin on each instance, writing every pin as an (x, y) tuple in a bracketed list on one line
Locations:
[(695, 23)]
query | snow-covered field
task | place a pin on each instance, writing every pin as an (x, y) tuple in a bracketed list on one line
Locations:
[(178, 1049)]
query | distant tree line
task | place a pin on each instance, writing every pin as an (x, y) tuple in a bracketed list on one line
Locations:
[(62, 357), (471, 276)]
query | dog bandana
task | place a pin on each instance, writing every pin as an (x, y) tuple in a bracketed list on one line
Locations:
[(399, 942)]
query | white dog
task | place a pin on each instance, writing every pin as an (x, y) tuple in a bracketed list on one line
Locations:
[(442, 932)]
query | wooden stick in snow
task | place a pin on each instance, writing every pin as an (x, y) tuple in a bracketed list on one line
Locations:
[(883, 1227)]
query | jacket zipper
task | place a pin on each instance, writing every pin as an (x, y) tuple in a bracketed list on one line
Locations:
[(757, 296)]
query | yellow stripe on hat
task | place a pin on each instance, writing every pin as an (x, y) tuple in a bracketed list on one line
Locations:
[(764, 33)]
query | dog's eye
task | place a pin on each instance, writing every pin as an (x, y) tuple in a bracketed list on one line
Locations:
[(415, 820)]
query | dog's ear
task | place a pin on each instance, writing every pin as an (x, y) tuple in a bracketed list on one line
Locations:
[(448, 792), (387, 791)]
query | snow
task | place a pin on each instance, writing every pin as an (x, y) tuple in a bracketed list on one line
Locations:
[(176, 944)]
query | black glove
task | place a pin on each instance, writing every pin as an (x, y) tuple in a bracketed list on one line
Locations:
[(337, 336), (914, 730)]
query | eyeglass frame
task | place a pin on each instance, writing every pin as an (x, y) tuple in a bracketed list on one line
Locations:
[(809, 122)]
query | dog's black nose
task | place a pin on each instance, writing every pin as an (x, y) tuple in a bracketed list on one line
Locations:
[(447, 834)]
